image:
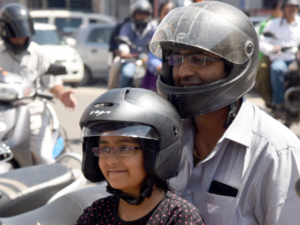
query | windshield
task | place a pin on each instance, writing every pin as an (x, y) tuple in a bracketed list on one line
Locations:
[(67, 25), (47, 37)]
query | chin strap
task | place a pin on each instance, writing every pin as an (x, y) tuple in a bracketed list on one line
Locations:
[(145, 191), (231, 114)]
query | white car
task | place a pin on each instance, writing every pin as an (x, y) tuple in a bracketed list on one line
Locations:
[(67, 22), (59, 52)]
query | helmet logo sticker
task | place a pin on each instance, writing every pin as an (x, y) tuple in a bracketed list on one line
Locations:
[(251, 74), (181, 36), (175, 131), (98, 112)]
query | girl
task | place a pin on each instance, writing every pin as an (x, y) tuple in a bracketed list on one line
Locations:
[(132, 138)]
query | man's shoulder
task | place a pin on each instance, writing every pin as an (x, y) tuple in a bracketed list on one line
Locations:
[(273, 132)]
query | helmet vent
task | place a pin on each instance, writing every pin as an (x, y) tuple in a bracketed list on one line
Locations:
[(99, 105), (175, 131)]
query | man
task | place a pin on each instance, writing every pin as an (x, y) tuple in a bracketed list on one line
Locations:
[(263, 83), (21, 56), (138, 31), (239, 165), (286, 33)]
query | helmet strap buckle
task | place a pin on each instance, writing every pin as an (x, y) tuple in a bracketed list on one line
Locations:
[(145, 192)]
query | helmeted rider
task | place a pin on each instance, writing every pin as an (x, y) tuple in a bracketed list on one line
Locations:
[(234, 154), (132, 138), (285, 34), (138, 31), (18, 54)]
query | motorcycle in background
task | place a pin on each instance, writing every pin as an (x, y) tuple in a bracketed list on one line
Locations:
[(15, 92), (291, 88), (138, 60)]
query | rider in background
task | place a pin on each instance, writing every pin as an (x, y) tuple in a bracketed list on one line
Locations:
[(286, 33), (263, 82), (132, 138), (18, 54), (115, 66), (139, 31), (154, 64)]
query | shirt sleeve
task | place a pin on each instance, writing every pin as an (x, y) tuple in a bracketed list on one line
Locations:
[(276, 199), (153, 62), (125, 33)]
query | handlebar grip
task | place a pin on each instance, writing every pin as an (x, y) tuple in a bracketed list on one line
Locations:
[(45, 96)]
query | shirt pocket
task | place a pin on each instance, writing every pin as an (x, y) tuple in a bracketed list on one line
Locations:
[(218, 209)]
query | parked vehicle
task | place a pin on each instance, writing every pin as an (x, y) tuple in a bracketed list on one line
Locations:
[(31, 187), (59, 52), (92, 43), (68, 22), (16, 92)]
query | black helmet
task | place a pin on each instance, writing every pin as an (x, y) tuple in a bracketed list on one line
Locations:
[(136, 113), (15, 21), (141, 6), (220, 29)]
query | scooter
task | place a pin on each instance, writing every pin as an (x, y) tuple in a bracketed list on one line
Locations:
[(138, 60), (62, 211), (15, 92), (291, 88), (29, 188)]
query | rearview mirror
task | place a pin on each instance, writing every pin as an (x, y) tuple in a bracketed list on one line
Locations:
[(56, 69), (269, 34)]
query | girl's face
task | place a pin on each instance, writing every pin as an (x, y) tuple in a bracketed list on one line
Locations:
[(125, 173)]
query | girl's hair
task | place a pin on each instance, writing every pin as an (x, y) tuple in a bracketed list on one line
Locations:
[(153, 145)]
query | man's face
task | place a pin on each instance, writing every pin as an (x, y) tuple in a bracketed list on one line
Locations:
[(141, 16), (290, 10), (198, 74), (20, 41)]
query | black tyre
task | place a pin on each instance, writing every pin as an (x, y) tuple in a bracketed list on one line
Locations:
[(87, 77)]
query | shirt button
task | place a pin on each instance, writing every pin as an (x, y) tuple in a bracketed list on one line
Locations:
[(189, 192)]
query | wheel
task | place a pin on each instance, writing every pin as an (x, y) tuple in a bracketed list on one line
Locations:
[(87, 77)]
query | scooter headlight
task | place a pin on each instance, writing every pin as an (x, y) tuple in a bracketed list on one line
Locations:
[(9, 92), (14, 91)]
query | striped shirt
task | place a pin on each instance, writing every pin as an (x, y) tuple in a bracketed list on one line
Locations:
[(256, 155)]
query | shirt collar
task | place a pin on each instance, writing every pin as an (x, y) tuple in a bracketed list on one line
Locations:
[(295, 22), (3, 48), (240, 130)]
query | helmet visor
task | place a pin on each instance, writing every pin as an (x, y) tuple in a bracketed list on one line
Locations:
[(21, 28), (197, 26), (124, 129)]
